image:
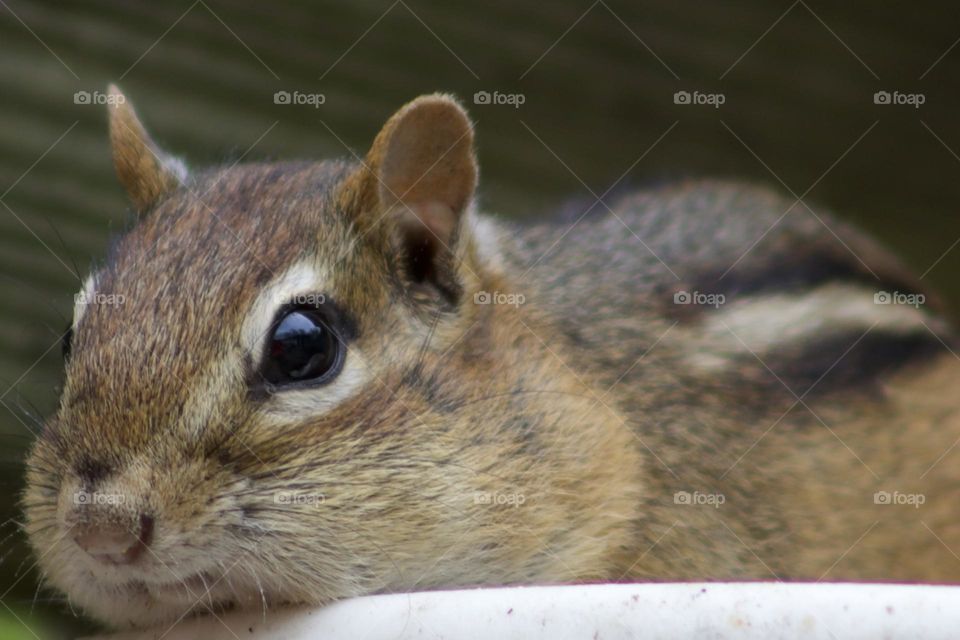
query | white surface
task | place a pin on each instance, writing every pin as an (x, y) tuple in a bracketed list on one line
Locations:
[(671, 611)]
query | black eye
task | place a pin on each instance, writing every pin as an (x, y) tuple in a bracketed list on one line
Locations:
[(302, 347), (65, 341)]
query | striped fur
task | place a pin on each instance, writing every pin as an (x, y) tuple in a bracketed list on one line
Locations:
[(519, 404)]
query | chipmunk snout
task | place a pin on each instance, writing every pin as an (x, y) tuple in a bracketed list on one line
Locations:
[(105, 509), (113, 542)]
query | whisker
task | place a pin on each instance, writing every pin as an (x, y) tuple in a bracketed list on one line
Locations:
[(76, 269)]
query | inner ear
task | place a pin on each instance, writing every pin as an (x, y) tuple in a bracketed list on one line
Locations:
[(426, 233), (419, 177), (420, 250)]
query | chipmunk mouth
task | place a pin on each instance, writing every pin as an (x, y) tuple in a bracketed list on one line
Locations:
[(196, 585), (169, 602), (142, 603), (199, 592)]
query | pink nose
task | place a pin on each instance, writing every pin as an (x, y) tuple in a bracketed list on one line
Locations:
[(113, 544)]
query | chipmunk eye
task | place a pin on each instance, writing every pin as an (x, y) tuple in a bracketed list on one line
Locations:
[(302, 347)]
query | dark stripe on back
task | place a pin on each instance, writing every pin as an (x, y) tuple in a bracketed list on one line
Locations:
[(839, 363), (797, 271)]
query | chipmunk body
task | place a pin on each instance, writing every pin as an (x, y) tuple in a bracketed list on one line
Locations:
[(329, 379)]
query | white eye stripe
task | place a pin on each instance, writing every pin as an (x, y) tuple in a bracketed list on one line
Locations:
[(296, 404), (302, 281)]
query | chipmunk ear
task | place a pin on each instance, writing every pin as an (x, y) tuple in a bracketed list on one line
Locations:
[(420, 176), (145, 171)]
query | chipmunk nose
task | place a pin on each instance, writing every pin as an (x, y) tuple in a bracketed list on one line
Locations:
[(112, 543)]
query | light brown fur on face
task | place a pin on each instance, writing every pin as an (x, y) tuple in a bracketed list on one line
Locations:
[(512, 409)]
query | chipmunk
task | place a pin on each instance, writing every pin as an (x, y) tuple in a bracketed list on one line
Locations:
[(297, 382)]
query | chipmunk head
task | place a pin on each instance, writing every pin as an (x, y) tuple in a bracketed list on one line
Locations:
[(259, 404)]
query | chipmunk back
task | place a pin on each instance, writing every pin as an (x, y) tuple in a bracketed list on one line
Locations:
[(318, 380)]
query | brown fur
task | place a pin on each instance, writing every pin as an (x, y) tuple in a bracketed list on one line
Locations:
[(567, 404)]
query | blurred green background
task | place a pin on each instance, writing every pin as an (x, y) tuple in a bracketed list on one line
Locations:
[(597, 80)]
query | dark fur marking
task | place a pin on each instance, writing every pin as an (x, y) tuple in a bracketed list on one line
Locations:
[(792, 273), (821, 364), (92, 471)]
